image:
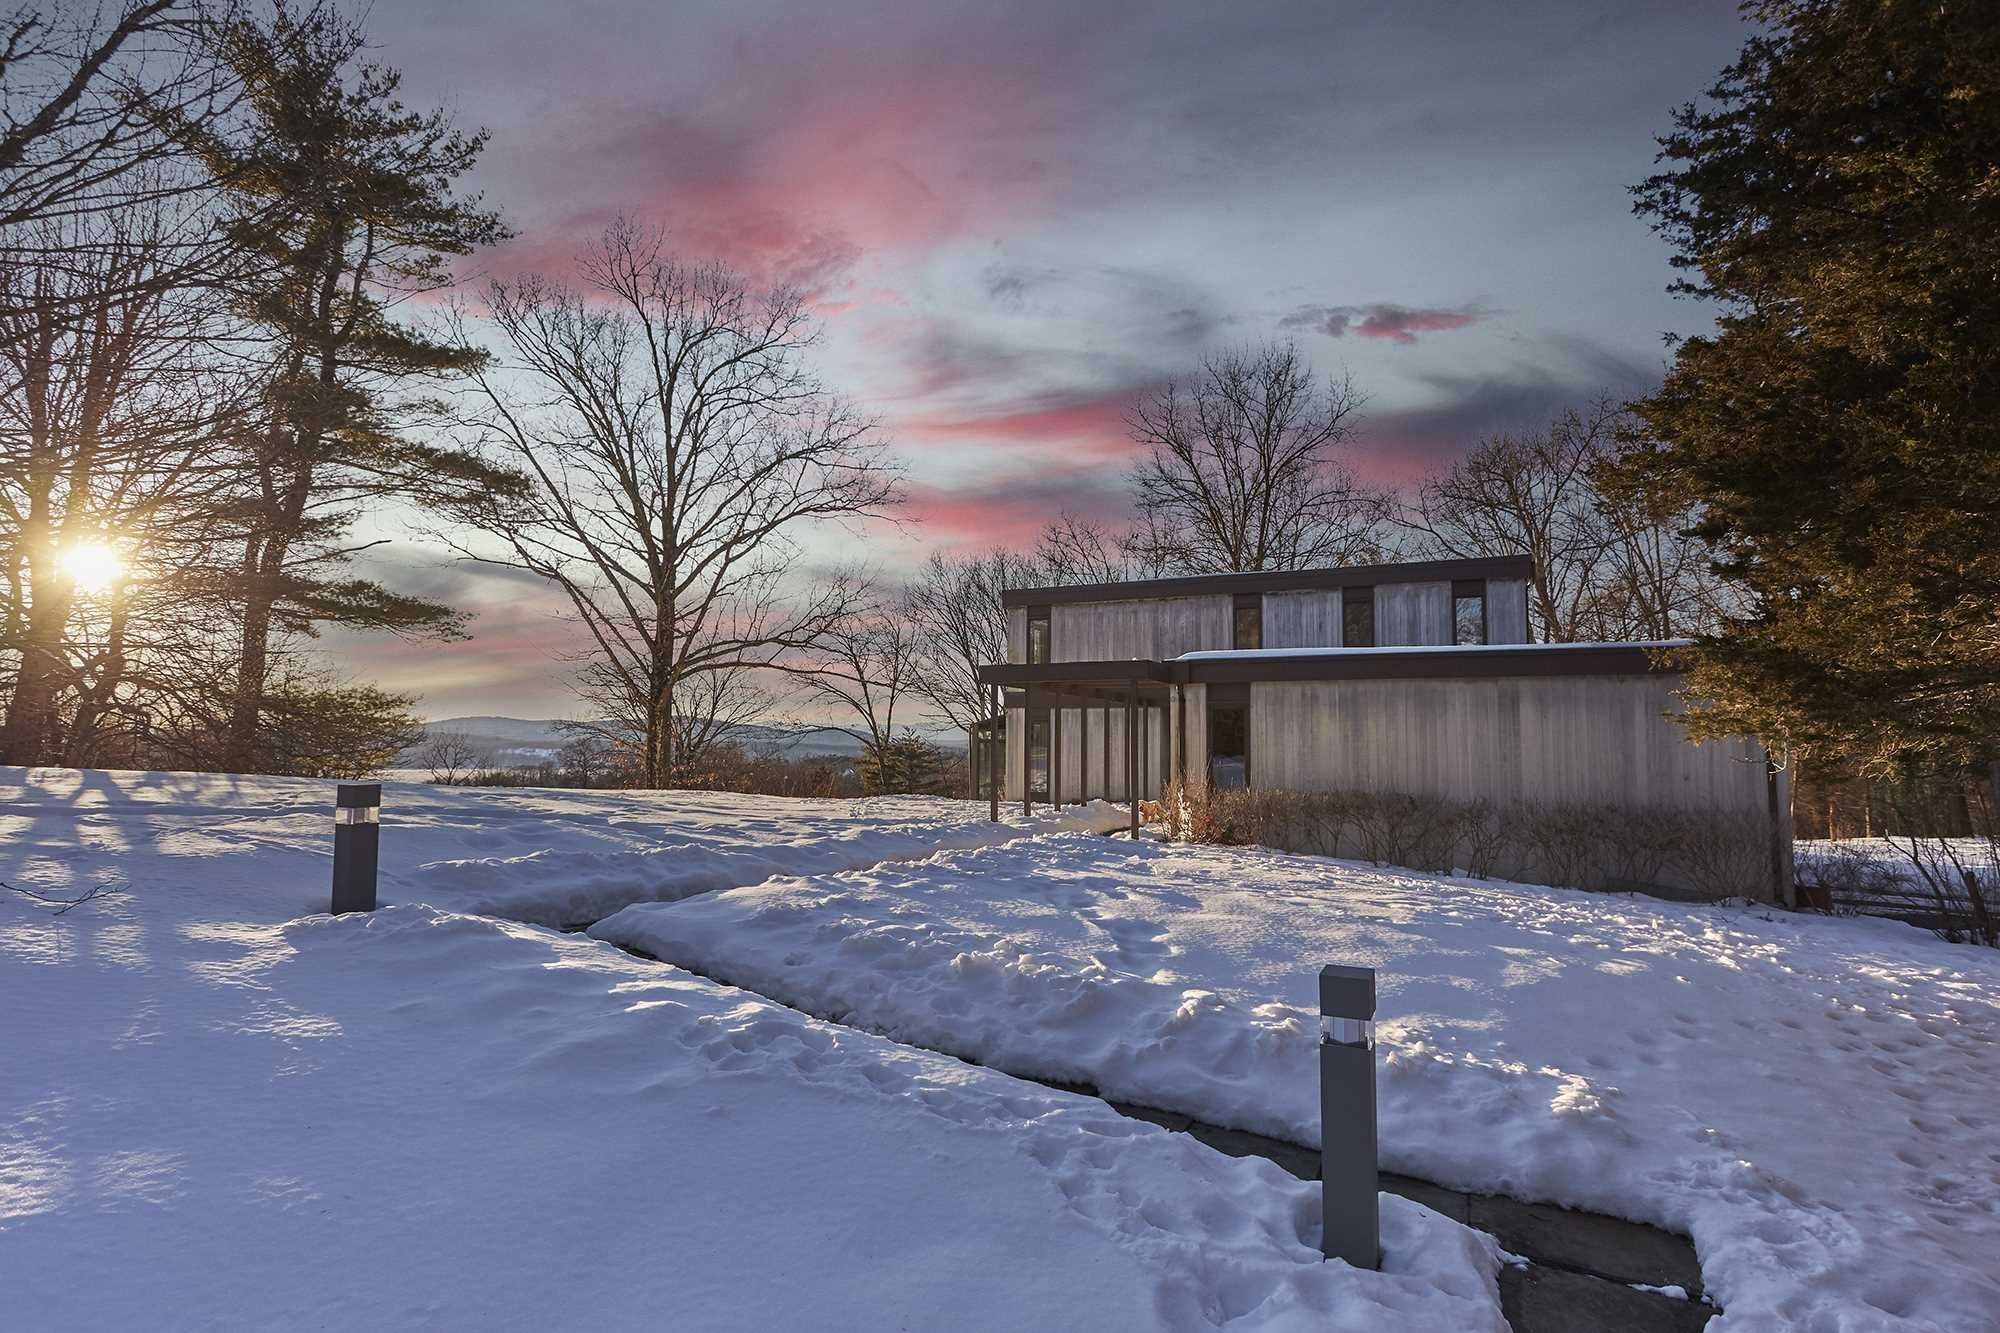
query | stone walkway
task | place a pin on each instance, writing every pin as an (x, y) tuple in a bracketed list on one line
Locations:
[(1583, 1270)]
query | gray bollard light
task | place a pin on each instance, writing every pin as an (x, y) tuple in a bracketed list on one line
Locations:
[(357, 838), (1349, 1210)]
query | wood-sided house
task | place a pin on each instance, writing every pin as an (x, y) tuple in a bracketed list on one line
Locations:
[(1416, 679)]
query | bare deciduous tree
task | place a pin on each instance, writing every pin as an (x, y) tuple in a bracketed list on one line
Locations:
[(452, 756), (953, 606), (115, 469), (679, 446), (1602, 571), (1530, 493), (866, 667), (82, 96), (1244, 470)]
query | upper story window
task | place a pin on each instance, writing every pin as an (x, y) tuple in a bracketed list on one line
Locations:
[(1038, 635), (1247, 629), (1468, 611), (1357, 617)]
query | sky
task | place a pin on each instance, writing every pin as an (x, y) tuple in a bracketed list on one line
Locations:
[(1015, 219)]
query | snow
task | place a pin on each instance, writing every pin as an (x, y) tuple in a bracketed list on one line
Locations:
[(1812, 1099), (219, 1112), (547, 855)]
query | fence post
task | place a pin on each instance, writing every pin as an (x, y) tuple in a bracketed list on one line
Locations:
[(357, 834), (1350, 1212)]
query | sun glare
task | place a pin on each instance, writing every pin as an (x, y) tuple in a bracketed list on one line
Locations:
[(94, 567)]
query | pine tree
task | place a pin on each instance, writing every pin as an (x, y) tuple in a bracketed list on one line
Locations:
[(1839, 197), (345, 204)]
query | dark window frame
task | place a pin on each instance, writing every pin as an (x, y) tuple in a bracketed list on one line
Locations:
[(1226, 698), (1039, 615), (1465, 590), (1351, 600), (1243, 603)]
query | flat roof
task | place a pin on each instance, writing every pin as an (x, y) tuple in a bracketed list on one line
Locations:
[(1296, 580)]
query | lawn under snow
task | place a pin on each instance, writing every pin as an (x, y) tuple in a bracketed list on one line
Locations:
[(546, 855), (219, 1112), (1815, 1100)]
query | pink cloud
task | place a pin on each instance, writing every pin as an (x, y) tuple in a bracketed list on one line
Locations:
[(1388, 322), (1094, 425), (803, 181)]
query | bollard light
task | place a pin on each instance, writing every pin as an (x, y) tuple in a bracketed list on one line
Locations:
[(1349, 1210), (357, 836)]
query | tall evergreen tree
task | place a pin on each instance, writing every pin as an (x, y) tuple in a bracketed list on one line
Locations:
[(1838, 196), (346, 204)]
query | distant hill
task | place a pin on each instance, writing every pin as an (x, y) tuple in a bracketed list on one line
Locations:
[(519, 741)]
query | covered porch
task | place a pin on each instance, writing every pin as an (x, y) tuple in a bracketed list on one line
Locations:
[(1078, 731)]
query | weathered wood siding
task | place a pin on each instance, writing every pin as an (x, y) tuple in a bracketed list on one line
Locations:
[(1596, 739), (1507, 611), (1154, 630), (1194, 699), (1302, 619), (1412, 614)]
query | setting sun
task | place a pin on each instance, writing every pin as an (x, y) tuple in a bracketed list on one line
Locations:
[(94, 567)]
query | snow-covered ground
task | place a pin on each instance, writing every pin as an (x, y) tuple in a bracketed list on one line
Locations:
[(547, 855), (1814, 1100), (217, 1112)]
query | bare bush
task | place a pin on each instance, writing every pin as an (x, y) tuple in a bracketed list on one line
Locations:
[(1727, 856)]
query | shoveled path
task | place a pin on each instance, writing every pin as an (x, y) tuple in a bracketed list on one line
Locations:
[(1583, 1271)]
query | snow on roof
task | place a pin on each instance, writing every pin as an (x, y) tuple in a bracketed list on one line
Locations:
[(1251, 654)]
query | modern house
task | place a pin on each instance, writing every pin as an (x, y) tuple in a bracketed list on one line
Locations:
[(1413, 680)]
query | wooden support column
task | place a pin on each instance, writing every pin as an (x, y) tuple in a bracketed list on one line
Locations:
[(1055, 756), (1145, 749), (1132, 753), (1083, 753), (1107, 749), (1027, 746), (996, 760)]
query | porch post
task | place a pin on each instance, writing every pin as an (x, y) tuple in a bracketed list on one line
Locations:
[(1055, 755), (1132, 753), (1106, 710), (996, 760), (1083, 752), (1145, 748), (1027, 744)]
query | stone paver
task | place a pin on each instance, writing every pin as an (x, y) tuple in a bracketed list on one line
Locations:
[(1588, 1242), (1580, 1264), (1537, 1299)]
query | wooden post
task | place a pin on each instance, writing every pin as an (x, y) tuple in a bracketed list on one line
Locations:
[(996, 759), (1107, 749), (1145, 748), (1083, 752), (1027, 749), (1132, 753), (1055, 756)]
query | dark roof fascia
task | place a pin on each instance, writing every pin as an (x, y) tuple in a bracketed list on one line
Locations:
[(1082, 674), (1077, 678), (1298, 580), (1449, 664)]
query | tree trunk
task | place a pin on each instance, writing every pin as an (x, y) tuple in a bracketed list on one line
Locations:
[(253, 661), (32, 729)]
